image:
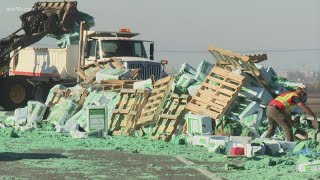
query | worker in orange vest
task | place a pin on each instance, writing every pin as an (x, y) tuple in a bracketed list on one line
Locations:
[(279, 109)]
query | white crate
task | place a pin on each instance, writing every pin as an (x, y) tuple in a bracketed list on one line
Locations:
[(198, 124), (97, 118), (37, 113)]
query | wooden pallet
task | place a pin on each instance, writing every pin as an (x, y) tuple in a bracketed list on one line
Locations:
[(117, 84), (217, 93), (127, 111), (170, 117), (88, 72), (231, 61), (156, 101)]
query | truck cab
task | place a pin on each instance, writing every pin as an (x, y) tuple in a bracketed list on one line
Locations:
[(132, 52)]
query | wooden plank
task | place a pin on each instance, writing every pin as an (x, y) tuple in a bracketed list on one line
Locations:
[(162, 81), (217, 88), (228, 74), (216, 80), (214, 96), (168, 116), (152, 104), (157, 96), (80, 73), (209, 102), (197, 109), (150, 110)]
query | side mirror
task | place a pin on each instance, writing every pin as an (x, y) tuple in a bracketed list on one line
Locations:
[(151, 50)]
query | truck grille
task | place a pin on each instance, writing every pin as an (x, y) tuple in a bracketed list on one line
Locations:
[(149, 69)]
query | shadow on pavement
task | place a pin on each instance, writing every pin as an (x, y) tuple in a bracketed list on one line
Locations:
[(11, 156)]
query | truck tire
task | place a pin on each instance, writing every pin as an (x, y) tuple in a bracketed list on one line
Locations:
[(15, 92)]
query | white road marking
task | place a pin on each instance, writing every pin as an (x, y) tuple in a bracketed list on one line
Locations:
[(205, 172)]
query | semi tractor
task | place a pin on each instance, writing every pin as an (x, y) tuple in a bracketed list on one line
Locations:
[(29, 72)]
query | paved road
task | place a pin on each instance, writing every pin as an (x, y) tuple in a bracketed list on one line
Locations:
[(94, 164)]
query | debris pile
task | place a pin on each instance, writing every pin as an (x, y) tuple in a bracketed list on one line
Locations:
[(220, 106)]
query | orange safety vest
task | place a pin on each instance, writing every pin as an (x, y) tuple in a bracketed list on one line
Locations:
[(284, 101)]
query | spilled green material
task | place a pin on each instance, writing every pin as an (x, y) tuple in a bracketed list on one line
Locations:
[(72, 38), (311, 144), (289, 85), (8, 132), (261, 167), (228, 126)]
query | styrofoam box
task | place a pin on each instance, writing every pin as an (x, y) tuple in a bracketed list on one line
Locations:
[(237, 141), (146, 84), (38, 112), (97, 118), (207, 140), (185, 80), (198, 124)]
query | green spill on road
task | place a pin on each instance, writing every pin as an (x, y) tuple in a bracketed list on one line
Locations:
[(262, 167)]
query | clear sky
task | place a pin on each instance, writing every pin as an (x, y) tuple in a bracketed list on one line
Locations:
[(287, 30)]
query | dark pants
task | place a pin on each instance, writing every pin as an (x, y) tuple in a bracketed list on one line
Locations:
[(275, 117)]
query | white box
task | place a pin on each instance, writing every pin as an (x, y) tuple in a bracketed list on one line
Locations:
[(97, 118), (21, 115), (193, 89), (200, 140), (31, 105), (237, 141), (37, 113), (112, 74), (252, 108), (198, 124), (146, 84), (313, 166), (254, 149), (186, 68), (185, 80), (203, 70), (65, 113), (216, 142)]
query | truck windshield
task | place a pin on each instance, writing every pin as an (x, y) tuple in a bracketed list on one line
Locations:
[(111, 48)]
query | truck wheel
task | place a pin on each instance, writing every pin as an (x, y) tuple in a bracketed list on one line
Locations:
[(15, 93)]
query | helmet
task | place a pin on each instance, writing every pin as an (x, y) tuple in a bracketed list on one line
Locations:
[(303, 88)]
